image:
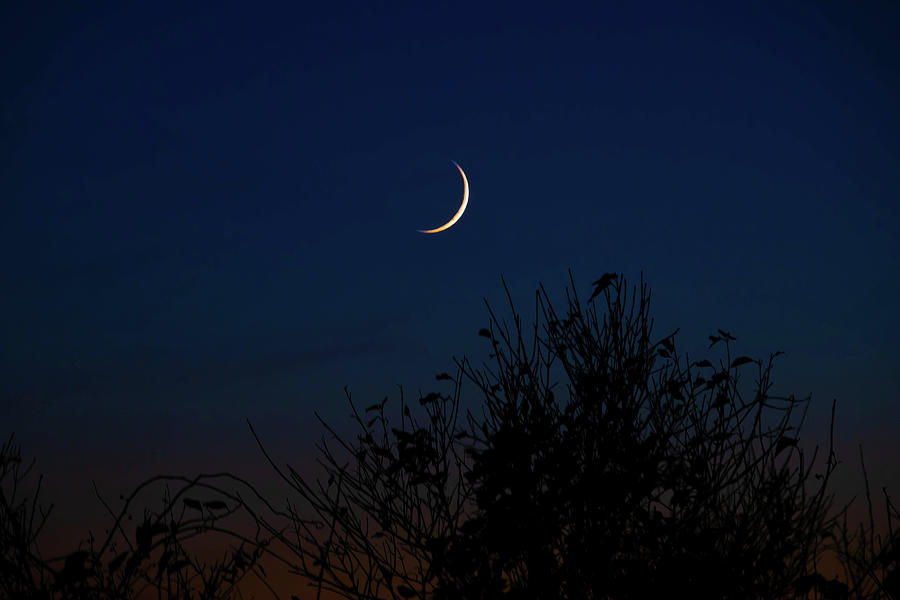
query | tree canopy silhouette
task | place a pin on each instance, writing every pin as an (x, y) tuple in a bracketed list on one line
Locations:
[(594, 461), (604, 464)]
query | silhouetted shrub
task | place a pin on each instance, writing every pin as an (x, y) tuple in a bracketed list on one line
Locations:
[(603, 463), (149, 558), (646, 475)]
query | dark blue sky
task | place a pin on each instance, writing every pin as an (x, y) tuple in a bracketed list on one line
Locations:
[(209, 213)]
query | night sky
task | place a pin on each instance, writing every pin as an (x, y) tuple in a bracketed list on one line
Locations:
[(209, 214)]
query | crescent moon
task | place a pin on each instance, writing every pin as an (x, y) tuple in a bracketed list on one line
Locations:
[(462, 207)]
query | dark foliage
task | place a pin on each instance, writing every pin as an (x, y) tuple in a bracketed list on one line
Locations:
[(145, 557), (601, 463), (604, 464), (645, 476)]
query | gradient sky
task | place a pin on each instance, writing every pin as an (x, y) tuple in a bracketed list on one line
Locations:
[(209, 213)]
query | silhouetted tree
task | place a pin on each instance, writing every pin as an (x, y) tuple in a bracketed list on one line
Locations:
[(605, 464), (647, 475)]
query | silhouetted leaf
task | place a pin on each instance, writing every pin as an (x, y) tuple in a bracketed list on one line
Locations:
[(891, 583), (741, 360), (163, 561), (386, 573), (383, 452), (703, 363), (405, 591), (375, 406), (717, 378), (726, 335), (663, 352), (133, 562), (834, 590), (142, 537), (601, 284), (484, 332), (115, 563), (429, 398), (178, 565), (674, 388), (668, 344), (191, 503), (891, 551), (805, 583), (74, 569), (713, 340), (402, 436), (785, 442), (443, 377), (215, 505)]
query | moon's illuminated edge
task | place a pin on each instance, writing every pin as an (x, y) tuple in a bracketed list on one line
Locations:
[(462, 207)]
